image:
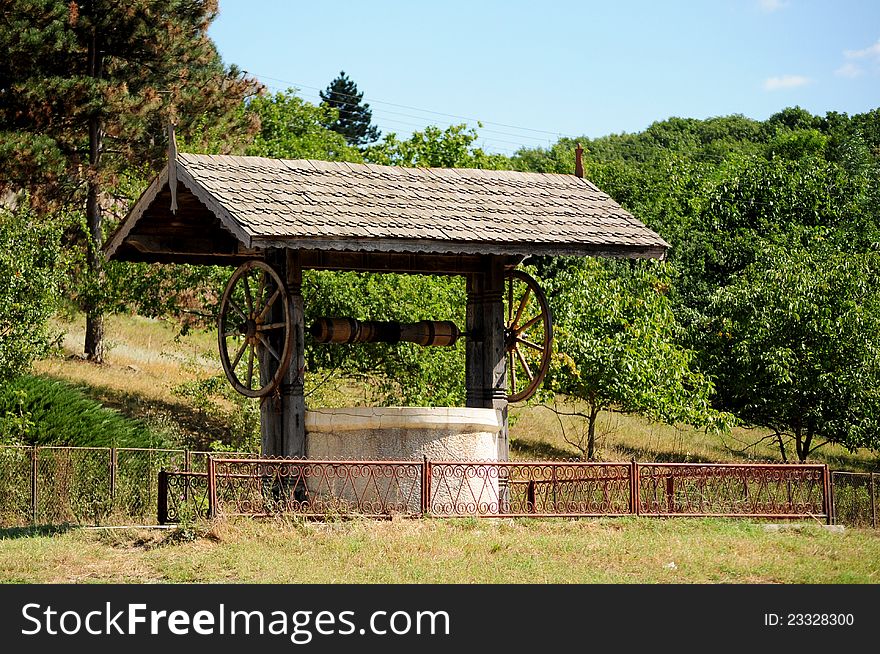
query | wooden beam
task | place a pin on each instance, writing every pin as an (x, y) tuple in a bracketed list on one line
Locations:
[(435, 246), (395, 262)]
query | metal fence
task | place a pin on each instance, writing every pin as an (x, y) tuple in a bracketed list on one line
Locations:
[(261, 487), (86, 485), (855, 496), (82, 485)]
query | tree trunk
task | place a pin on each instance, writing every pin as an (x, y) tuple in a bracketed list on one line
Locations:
[(591, 431), (782, 447), (94, 342), (801, 445)]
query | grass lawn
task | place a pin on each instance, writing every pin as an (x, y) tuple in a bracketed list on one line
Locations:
[(627, 550)]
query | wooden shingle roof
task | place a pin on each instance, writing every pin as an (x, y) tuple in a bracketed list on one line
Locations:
[(317, 205)]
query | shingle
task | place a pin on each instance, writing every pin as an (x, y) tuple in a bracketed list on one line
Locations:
[(276, 198)]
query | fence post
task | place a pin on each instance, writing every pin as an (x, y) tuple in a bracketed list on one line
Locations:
[(187, 468), (113, 461), (162, 498), (634, 490), (426, 486), (826, 495), (423, 481), (212, 488), (873, 503), (34, 474), (833, 500)]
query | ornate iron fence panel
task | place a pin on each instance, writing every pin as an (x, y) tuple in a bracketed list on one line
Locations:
[(261, 487), (856, 496), (734, 490), (182, 496), (537, 489)]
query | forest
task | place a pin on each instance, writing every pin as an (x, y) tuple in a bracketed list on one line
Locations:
[(765, 314)]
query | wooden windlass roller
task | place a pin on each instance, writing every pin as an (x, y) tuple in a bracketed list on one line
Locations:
[(439, 333)]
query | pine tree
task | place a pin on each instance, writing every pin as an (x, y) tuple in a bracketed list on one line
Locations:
[(87, 88), (355, 117)]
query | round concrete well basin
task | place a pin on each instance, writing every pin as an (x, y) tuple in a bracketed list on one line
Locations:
[(406, 434)]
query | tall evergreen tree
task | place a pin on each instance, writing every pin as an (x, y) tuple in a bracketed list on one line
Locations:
[(355, 117), (86, 89)]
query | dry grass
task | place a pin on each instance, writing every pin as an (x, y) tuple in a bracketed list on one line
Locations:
[(147, 358), (455, 551), (538, 431)]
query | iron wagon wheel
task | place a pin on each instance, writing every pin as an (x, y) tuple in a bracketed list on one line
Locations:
[(528, 334), (254, 305)]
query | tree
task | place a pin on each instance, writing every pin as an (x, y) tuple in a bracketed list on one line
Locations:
[(87, 88), (798, 351), (354, 119), (616, 339), (452, 147), (291, 128), (29, 257)]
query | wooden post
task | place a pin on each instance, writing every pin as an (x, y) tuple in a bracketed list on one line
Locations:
[(282, 415), (271, 425), (485, 360), (292, 391)]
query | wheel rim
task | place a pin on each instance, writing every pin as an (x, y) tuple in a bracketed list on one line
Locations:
[(528, 334), (254, 305)]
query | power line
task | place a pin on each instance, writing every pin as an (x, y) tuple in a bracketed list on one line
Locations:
[(429, 111), (381, 118)]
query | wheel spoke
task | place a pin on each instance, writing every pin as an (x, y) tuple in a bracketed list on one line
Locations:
[(271, 349), (520, 330), (512, 368), (270, 326), (238, 354), (237, 309), (250, 370), (262, 288), (510, 302), (522, 305), (525, 365), (247, 294), (528, 343), (269, 304)]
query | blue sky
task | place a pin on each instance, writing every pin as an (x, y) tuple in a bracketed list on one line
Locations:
[(532, 71)]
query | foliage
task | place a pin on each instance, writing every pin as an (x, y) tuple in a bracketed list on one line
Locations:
[(448, 148), (29, 279), (402, 373), (213, 397), (291, 128), (798, 348), (40, 411), (350, 116), (86, 90), (617, 347)]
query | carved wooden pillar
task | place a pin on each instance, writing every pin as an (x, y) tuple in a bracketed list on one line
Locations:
[(485, 360), (282, 414), (292, 391)]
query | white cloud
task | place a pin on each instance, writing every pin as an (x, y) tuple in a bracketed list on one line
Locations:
[(849, 69), (785, 82), (769, 6), (871, 52)]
